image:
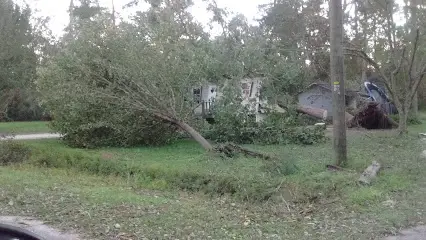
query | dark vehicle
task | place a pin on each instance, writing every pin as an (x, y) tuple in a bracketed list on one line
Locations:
[(377, 94), (8, 232)]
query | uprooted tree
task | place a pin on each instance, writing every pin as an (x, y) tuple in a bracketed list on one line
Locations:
[(136, 79), (146, 67), (405, 64)]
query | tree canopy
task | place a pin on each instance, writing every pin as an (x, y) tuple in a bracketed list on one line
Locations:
[(147, 66)]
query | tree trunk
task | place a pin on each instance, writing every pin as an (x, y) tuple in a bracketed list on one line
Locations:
[(413, 23), (187, 128), (415, 105), (402, 124), (195, 135), (338, 81), (320, 113)]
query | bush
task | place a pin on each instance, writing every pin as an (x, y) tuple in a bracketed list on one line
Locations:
[(89, 120), (114, 128), (12, 152)]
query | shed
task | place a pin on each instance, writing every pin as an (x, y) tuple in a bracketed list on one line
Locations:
[(319, 95)]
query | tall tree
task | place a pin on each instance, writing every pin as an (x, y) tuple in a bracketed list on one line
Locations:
[(146, 66), (403, 66), (18, 60)]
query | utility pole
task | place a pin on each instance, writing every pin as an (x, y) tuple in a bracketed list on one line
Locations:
[(338, 81)]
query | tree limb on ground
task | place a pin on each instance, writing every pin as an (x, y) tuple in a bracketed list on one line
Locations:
[(231, 149), (369, 173)]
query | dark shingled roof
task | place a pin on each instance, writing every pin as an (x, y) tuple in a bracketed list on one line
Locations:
[(325, 85)]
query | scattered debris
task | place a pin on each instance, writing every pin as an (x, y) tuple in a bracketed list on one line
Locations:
[(423, 154), (370, 173), (389, 203), (231, 149), (334, 168)]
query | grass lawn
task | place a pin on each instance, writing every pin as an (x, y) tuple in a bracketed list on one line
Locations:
[(24, 127), (179, 192)]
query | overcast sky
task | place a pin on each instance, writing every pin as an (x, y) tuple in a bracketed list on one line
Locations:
[(57, 10)]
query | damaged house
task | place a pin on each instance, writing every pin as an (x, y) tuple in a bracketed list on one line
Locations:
[(206, 95)]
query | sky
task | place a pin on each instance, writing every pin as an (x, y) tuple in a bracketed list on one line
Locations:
[(57, 10)]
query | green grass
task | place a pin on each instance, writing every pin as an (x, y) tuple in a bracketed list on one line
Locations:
[(178, 191), (24, 127)]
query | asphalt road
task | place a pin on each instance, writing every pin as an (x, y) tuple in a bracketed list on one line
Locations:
[(32, 136)]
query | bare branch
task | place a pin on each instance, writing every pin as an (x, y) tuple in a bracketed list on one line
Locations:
[(398, 68), (389, 82), (418, 80)]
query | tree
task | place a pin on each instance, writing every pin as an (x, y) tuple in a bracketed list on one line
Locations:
[(147, 66), (403, 67), (299, 30), (18, 62)]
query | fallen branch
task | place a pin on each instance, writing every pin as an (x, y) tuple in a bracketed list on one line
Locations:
[(231, 149), (369, 174)]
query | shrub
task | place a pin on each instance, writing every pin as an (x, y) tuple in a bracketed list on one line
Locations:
[(12, 152), (118, 129)]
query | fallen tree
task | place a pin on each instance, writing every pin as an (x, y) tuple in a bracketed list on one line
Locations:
[(319, 113), (371, 116)]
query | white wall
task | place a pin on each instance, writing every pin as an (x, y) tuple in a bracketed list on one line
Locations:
[(250, 96)]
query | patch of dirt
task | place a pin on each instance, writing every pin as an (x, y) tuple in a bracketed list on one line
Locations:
[(37, 227), (360, 132)]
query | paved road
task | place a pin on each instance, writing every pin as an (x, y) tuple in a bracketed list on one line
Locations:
[(417, 233), (33, 136), (38, 228)]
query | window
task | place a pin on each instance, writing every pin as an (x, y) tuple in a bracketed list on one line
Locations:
[(246, 87), (197, 95), (377, 96)]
